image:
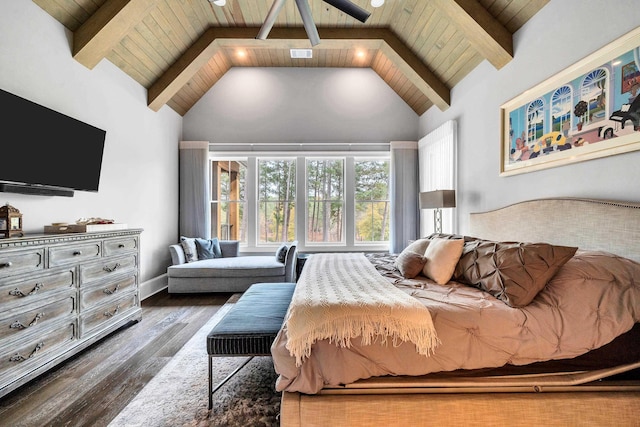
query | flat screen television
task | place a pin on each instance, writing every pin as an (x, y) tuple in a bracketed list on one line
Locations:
[(46, 152)]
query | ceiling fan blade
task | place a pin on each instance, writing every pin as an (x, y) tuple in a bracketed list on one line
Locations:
[(350, 9), (307, 21), (270, 20)]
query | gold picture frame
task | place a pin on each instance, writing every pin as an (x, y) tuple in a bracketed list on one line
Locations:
[(587, 111)]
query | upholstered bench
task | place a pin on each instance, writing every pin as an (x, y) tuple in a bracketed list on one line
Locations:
[(250, 327)]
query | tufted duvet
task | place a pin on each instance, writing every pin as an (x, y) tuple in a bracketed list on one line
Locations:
[(591, 300)]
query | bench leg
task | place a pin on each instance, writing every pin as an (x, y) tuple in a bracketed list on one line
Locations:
[(224, 381)]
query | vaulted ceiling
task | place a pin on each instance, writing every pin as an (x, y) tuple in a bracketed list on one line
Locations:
[(179, 49)]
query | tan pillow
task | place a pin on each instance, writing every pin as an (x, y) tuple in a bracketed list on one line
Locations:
[(419, 246), (410, 263), (513, 272), (442, 256)]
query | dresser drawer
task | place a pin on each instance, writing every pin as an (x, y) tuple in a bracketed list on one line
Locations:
[(20, 262), (35, 317), (24, 291), (101, 317), (74, 253), (102, 294), (36, 350), (120, 246), (107, 268)]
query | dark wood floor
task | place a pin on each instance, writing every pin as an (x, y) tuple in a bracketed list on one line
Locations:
[(94, 386)]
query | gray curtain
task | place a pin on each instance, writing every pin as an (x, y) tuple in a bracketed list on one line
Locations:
[(404, 194), (195, 206)]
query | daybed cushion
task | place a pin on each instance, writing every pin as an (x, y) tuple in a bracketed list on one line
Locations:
[(208, 248), (256, 266), (189, 248)]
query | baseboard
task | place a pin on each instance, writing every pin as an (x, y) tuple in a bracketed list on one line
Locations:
[(153, 286)]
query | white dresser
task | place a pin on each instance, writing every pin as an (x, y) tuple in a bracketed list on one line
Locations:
[(61, 293)]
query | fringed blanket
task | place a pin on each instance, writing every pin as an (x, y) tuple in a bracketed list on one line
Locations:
[(341, 296)]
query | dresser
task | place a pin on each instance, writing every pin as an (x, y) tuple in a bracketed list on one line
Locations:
[(61, 293)]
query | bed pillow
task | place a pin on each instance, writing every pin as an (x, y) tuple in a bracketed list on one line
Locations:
[(410, 263), (208, 248), (513, 272), (419, 246), (189, 247), (442, 257)]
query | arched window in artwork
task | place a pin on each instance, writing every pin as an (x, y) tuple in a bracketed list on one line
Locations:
[(535, 120), (593, 91), (561, 109)]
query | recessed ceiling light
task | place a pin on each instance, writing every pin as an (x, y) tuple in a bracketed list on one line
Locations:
[(301, 53), (219, 2), (377, 3)]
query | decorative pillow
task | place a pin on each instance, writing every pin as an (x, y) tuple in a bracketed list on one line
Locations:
[(442, 256), (513, 272), (208, 248), (410, 263), (418, 246), (189, 247), (281, 252)]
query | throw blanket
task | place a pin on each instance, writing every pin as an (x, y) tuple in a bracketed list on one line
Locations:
[(341, 296)]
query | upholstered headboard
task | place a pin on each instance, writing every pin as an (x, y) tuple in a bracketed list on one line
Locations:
[(605, 225)]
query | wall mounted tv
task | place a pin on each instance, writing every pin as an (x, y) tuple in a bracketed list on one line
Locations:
[(44, 152)]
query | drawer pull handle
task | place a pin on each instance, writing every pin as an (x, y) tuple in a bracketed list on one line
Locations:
[(76, 253), (111, 292), (20, 358), (121, 245), (18, 293), (18, 325), (6, 264), (110, 314), (109, 269)]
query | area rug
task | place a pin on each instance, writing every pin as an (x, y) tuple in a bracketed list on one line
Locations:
[(177, 395)]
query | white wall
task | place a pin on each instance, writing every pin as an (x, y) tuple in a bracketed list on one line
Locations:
[(275, 105), (562, 33), (139, 180)]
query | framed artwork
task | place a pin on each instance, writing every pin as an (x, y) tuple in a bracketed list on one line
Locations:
[(589, 110)]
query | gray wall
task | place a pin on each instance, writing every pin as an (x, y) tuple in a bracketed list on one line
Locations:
[(562, 33), (276, 105), (139, 180)]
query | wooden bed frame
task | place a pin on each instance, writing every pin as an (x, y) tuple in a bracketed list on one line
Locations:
[(586, 398)]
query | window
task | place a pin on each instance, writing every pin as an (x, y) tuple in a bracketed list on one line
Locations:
[(325, 200), (228, 199), (276, 200), (335, 201), (372, 201)]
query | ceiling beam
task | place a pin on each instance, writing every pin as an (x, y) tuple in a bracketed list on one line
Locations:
[(484, 32), (104, 29), (161, 92)]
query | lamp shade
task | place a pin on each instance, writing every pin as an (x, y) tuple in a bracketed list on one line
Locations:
[(438, 199)]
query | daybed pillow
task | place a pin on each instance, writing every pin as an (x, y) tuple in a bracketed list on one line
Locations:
[(281, 252), (410, 263), (513, 272), (189, 247), (208, 248), (442, 256)]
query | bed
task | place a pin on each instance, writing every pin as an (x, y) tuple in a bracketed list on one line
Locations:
[(473, 366)]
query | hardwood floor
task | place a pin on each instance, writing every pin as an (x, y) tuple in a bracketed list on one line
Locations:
[(91, 388)]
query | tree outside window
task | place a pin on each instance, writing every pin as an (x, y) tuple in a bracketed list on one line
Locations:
[(276, 200), (372, 201), (325, 200)]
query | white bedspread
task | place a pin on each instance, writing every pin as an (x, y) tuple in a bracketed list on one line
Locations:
[(342, 296)]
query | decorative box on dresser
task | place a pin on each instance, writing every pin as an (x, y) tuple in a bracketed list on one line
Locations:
[(61, 293)]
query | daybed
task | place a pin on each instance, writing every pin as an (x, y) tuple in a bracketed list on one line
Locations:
[(525, 333), (229, 272)]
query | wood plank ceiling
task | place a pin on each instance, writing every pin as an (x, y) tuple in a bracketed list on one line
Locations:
[(179, 49)]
